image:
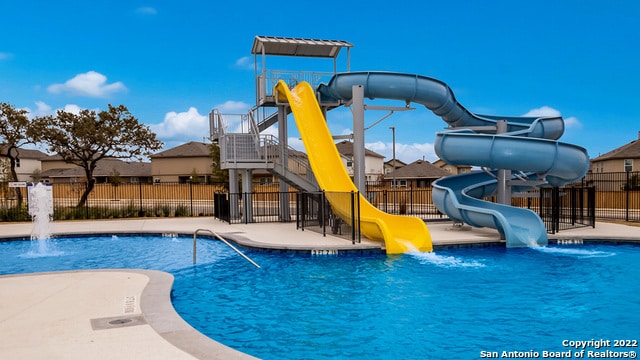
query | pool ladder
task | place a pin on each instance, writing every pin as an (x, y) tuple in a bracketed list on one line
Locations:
[(195, 236)]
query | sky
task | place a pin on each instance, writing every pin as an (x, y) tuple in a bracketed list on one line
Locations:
[(171, 62)]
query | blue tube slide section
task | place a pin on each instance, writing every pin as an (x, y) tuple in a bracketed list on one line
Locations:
[(529, 146)]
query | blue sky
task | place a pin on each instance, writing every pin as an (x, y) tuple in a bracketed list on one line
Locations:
[(172, 62)]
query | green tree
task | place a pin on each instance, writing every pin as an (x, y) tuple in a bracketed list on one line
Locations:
[(14, 127), (217, 174), (86, 138)]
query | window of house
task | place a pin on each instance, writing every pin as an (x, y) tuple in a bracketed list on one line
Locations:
[(628, 165), (401, 183), (17, 162), (422, 183), (350, 162)]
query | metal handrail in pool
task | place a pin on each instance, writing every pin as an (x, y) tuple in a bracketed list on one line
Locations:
[(195, 235)]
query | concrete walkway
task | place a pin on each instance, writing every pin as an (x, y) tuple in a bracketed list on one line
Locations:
[(115, 314)]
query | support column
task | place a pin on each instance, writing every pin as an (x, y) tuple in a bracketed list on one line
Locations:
[(283, 141), (234, 199), (358, 138), (247, 214), (504, 175)]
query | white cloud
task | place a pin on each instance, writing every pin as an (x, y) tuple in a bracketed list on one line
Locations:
[(72, 108), (43, 109), (146, 10), (570, 122), (233, 107), (543, 111), (245, 62), (405, 152), (189, 125), (92, 84)]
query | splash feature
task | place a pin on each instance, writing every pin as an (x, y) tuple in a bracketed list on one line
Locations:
[(401, 234), (41, 209)]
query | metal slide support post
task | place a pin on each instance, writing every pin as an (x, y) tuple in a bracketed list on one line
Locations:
[(284, 160), (358, 137), (247, 198), (504, 175), (234, 200)]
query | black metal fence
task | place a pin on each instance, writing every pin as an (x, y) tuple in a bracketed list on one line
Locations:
[(565, 208), (617, 194), (314, 212), (109, 201)]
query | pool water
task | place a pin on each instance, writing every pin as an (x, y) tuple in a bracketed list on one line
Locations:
[(448, 304)]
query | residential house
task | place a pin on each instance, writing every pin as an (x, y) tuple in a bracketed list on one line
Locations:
[(389, 165), (623, 159), (108, 170), (373, 162), (418, 174), (452, 169), (28, 164), (182, 163)]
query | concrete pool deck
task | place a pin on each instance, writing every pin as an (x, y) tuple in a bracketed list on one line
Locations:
[(113, 314)]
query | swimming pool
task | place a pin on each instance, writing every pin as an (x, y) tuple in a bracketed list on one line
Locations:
[(463, 303)]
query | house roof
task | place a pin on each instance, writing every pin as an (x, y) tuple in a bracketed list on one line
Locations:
[(628, 151), (190, 149), (25, 153), (419, 169), (399, 163), (105, 167), (345, 148)]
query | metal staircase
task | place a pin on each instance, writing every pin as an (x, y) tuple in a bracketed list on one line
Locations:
[(252, 150)]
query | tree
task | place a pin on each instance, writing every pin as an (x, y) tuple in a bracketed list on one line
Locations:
[(217, 174), (14, 126), (86, 138)]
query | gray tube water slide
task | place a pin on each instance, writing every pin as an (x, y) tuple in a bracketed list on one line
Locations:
[(528, 145)]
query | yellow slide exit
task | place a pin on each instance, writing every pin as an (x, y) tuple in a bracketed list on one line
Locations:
[(400, 234)]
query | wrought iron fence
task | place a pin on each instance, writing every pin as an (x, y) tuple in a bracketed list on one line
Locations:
[(561, 208), (315, 213), (617, 194), (107, 201)]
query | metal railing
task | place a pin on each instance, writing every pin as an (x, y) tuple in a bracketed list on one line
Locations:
[(267, 80), (314, 212), (617, 194), (195, 236)]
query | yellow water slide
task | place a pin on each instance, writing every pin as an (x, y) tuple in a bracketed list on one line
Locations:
[(400, 234)]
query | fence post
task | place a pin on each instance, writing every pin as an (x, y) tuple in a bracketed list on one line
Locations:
[(358, 212), (297, 210), (323, 200), (140, 211), (627, 186), (555, 209), (191, 197), (591, 193), (353, 219)]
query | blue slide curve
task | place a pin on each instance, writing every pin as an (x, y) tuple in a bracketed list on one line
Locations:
[(529, 146)]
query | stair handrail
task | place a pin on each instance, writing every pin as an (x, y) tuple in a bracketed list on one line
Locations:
[(299, 164), (216, 235)]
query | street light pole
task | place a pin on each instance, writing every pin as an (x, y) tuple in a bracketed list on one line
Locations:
[(393, 172), (393, 137)]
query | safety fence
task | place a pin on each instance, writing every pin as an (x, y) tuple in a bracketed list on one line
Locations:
[(617, 195), (613, 196), (110, 201)]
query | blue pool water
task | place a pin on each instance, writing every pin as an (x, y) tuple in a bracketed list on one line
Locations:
[(450, 304)]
